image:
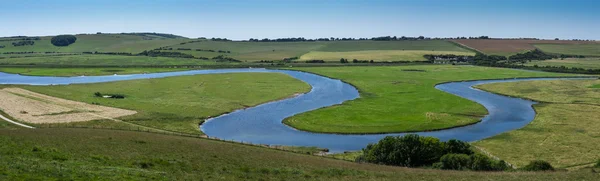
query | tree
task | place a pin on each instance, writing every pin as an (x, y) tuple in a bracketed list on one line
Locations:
[(538, 165), (63, 40), (455, 161), (458, 147), (410, 150), (98, 94), (343, 60)]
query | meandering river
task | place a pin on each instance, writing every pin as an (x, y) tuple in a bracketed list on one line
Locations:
[(263, 124)]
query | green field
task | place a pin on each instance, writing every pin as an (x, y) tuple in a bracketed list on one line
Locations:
[(566, 130), (94, 42), (251, 51), (429, 45), (586, 63), (393, 100), (180, 103), (103, 60), (571, 49), (376, 50), (91, 154), (83, 71), (377, 55)]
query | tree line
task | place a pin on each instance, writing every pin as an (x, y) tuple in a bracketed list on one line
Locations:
[(23, 43), (19, 38)]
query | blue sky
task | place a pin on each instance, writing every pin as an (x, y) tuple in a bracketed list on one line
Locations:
[(245, 19)]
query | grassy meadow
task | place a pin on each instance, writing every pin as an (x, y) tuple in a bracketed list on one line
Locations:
[(67, 72), (586, 63), (395, 100), (97, 42), (91, 154), (565, 131), (383, 55), (365, 50), (573, 49), (180, 103), (103, 60)]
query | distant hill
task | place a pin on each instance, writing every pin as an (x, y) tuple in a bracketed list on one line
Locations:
[(121, 42)]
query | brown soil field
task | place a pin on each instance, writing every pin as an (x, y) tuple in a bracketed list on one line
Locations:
[(32, 107), (508, 47)]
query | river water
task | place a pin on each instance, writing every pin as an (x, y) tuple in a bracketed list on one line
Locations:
[(263, 124)]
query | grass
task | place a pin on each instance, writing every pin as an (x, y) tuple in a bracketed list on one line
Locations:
[(393, 100), (377, 55), (251, 51), (180, 103), (586, 63), (565, 132), (574, 49), (91, 154), (429, 45), (102, 60), (255, 51), (83, 71), (94, 42)]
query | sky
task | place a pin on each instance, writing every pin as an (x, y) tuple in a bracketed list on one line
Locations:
[(244, 19)]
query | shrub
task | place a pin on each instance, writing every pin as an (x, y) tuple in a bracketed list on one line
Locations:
[(410, 150), (538, 165), (63, 40), (597, 164), (98, 94), (455, 161), (458, 147)]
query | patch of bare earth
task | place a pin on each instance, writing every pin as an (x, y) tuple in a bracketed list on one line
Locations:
[(37, 108)]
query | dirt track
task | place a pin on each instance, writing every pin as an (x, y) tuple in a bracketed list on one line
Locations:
[(32, 107)]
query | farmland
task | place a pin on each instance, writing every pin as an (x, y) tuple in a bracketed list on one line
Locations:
[(586, 63), (96, 42), (507, 47), (83, 71), (565, 131), (102, 60), (181, 103), (379, 55), (393, 100)]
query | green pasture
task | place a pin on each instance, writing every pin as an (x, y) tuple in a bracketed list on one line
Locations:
[(181, 103), (399, 99), (377, 55), (565, 131), (92, 154), (571, 49)]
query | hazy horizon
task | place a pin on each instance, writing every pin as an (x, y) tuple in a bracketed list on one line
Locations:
[(241, 20)]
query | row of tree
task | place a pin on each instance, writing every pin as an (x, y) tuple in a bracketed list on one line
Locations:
[(19, 38), (23, 43), (381, 38)]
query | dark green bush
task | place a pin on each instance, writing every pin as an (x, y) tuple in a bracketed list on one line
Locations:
[(63, 40), (410, 150), (455, 161), (597, 164), (538, 165), (458, 147)]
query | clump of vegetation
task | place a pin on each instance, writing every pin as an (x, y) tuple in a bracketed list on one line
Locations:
[(23, 43), (417, 151), (315, 61), (63, 40), (597, 164), (112, 96), (538, 165)]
